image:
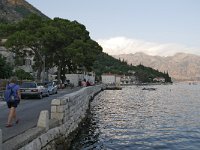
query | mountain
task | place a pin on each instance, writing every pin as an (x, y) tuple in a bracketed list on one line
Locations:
[(14, 10), (181, 66)]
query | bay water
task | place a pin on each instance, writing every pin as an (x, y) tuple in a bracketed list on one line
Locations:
[(133, 118)]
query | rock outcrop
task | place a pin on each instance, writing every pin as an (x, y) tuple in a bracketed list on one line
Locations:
[(14, 10)]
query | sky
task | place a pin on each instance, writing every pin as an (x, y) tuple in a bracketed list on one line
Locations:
[(155, 27)]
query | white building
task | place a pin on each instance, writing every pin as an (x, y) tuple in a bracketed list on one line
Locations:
[(90, 77), (118, 79), (25, 63), (75, 79), (110, 79), (159, 79)]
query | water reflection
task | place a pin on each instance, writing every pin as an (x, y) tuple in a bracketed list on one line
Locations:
[(167, 118)]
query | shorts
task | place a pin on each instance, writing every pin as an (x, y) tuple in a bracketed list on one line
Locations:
[(13, 104)]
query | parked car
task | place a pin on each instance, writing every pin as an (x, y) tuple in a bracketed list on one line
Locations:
[(29, 89), (52, 87), (59, 85)]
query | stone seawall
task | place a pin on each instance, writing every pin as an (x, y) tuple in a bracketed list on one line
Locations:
[(67, 112)]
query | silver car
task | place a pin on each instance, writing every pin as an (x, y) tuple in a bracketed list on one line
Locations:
[(29, 89)]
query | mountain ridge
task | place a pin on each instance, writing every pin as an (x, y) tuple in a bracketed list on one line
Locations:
[(181, 66), (15, 10)]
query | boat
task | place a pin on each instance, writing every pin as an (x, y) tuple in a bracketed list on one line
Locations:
[(150, 89)]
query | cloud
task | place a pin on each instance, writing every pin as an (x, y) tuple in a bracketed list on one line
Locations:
[(123, 45)]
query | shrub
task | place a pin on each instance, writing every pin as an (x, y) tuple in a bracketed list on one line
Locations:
[(22, 75)]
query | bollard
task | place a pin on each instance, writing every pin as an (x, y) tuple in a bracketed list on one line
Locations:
[(43, 120)]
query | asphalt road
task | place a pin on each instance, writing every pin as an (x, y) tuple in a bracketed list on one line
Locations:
[(28, 112)]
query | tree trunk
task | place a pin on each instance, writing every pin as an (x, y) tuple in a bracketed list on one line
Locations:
[(39, 71), (58, 77)]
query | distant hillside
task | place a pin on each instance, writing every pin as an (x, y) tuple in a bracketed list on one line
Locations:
[(181, 66), (108, 64), (14, 10)]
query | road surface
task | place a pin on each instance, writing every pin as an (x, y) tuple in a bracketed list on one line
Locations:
[(28, 112)]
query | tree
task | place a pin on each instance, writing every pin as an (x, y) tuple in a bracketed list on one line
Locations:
[(69, 46), (24, 39), (58, 42), (22, 75), (6, 68)]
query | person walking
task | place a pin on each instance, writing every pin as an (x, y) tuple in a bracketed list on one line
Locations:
[(12, 105)]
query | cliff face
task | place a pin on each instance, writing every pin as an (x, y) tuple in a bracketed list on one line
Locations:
[(181, 66), (14, 10)]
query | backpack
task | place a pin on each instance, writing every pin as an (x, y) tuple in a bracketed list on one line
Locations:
[(10, 94)]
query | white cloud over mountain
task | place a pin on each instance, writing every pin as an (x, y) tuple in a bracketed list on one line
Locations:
[(123, 45)]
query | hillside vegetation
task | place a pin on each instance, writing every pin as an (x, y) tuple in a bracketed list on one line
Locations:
[(108, 64)]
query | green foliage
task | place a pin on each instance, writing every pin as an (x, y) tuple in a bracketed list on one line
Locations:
[(22, 75), (62, 43), (147, 74), (6, 29), (18, 61), (5, 68), (69, 46), (108, 64), (24, 38), (3, 20)]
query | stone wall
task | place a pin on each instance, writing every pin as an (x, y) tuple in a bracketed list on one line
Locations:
[(67, 112)]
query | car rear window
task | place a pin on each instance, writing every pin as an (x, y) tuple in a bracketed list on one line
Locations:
[(28, 85)]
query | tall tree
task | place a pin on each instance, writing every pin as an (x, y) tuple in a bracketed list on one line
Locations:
[(70, 46), (58, 42)]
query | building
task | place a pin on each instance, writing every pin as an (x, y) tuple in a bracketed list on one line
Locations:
[(23, 63), (110, 79), (159, 79), (125, 80)]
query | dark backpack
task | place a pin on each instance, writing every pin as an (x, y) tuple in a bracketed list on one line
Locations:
[(10, 95)]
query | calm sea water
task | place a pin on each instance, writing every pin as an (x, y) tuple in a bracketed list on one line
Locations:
[(132, 118)]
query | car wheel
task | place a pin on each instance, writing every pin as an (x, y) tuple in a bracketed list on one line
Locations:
[(40, 96)]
